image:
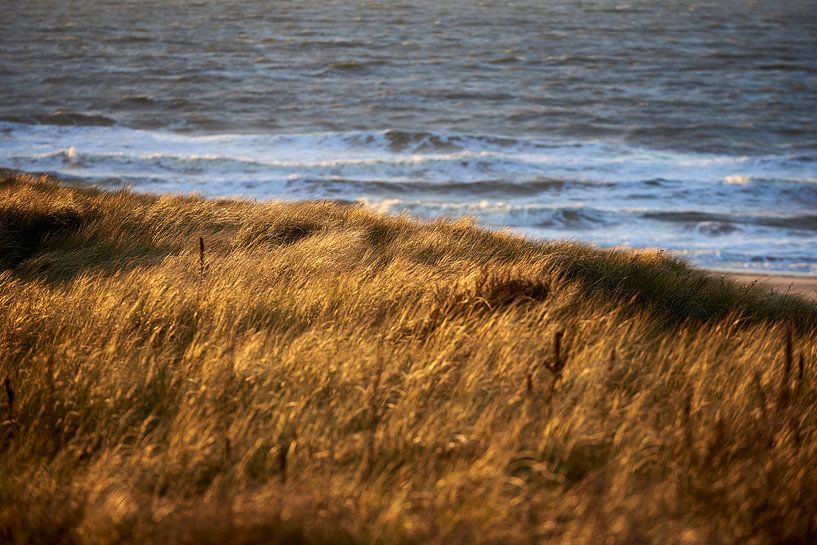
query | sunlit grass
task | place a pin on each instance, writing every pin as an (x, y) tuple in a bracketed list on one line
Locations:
[(182, 370)]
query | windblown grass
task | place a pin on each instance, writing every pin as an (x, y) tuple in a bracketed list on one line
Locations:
[(181, 370)]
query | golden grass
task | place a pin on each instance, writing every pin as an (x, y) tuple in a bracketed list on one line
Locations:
[(182, 370)]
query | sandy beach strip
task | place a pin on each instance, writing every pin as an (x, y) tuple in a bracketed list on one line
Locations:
[(804, 286)]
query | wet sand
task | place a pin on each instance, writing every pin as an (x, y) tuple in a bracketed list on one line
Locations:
[(805, 286)]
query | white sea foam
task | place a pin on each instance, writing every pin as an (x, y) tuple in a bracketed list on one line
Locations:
[(71, 155), (381, 156), (738, 179)]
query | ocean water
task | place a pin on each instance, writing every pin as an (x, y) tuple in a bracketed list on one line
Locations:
[(689, 126)]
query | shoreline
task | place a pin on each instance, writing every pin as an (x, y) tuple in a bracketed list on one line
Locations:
[(804, 286)]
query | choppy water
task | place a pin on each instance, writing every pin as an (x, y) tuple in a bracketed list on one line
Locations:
[(689, 126)]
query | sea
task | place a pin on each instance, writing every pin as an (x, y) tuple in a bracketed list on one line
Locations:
[(684, 125)]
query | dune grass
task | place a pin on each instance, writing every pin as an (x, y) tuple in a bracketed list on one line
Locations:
[(181, 370)]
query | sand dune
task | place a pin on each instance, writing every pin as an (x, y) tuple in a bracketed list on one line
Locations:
[(805, 286)]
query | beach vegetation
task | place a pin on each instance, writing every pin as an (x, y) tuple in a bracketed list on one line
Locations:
[(184, 370)]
